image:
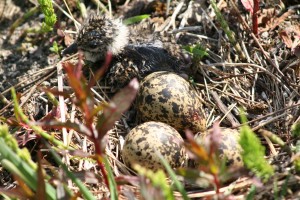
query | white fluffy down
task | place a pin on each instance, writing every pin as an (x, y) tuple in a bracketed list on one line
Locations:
[(121, 40)]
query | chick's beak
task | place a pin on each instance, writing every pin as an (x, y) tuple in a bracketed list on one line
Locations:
[(73, 48)]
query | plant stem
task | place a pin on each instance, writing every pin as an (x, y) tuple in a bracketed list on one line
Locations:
[(98, 153), (254, 17)]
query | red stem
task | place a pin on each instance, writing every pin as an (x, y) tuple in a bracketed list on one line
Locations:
[(98, 153), (254, 17), (217, 183)]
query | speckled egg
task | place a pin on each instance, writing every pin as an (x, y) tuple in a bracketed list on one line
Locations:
[(169, 98), (229, 146), (144, 141)]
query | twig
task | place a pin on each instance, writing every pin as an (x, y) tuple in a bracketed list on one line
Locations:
[(274, 138), (174, 15), (241, 65), (77, 24), (242, 184), (270, 114), (187, 28), (101, 5), (40, 81), (224, 109), (271, 146), (62, 109)]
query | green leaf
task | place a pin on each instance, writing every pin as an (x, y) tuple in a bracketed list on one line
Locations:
[(197, 51), (55, 48), (135, 19)]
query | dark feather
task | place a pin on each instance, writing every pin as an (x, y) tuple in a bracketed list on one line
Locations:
[(139, 61)]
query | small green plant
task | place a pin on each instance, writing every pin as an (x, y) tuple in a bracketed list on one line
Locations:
[(296, 129), (11, 142), (50, 17), (55, 48), (253, 153), (229, 33), (296, 133), (197, 51), (18, 162), (296, 160)]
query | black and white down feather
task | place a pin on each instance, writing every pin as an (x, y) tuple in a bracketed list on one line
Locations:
[(100, 35)]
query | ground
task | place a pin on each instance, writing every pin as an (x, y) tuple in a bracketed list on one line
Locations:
[(256, 71)]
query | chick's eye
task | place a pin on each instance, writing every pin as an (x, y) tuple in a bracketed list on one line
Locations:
[(92, 45)]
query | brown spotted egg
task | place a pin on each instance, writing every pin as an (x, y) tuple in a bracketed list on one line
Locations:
[(229, 147), (169, 98), (146, 141)]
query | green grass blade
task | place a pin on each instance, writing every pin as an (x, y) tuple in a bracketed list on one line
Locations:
[(251, 193), (172, 174), (111, 180), (38, 130), (18, 172), (132, 20), (17, 166), (84, 190)]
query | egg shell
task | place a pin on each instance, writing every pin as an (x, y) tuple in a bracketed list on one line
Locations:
[(169, 98), (144, 141), (229, 147)]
